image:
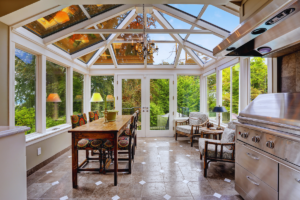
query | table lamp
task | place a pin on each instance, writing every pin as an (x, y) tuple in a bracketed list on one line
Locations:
[(219, 110), (53, 97), (96, 97)]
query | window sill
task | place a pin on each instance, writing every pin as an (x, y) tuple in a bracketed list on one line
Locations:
[(33, 138)]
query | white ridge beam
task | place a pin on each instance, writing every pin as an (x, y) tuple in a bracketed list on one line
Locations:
[(191, 20), (88, 23), (134, 31)]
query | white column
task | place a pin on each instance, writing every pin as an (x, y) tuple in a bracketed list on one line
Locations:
[(219, 87), (11, 85), (69, 94), (270, 74), (274, 76), (87, 94), (203, 94), (41, 94), (244, 88)]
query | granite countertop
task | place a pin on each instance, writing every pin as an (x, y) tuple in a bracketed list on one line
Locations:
[(11, 130)]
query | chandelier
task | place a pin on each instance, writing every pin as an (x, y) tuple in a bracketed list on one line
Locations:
[(144, 50)]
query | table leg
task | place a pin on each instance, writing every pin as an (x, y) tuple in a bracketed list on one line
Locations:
[(74, 160), (215, 136), (116, 159)]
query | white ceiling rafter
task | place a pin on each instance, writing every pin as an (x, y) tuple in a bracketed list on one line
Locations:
[(163, 22), (87, 23), (113, 56), (177, 56), (96, 56), (191, 20), (85, 11), (199, 49)]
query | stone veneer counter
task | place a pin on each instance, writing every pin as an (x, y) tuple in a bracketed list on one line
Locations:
[(11, 130)]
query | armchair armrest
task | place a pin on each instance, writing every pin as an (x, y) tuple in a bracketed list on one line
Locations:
[(186, 122)]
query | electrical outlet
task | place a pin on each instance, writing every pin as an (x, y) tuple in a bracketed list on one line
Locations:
[(39, 151)]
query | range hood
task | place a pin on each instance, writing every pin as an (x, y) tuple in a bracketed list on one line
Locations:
[(266, 33)]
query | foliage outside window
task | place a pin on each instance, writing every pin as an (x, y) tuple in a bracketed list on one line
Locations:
[(258, 77), (25, 91), (56, 94), (211, 95), (105, 86), (77, 93), (230, 93), (188, 95)]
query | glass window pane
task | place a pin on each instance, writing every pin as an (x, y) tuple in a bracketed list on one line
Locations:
[(235, 91), (56, 94), (221, 18), (176, 23), (128, 53), (105, 86), (207, 41), (104, 59), (258, 77), (98, 9), (86, 58), (58, 21), (202, 57), (188, 95), (226, 94), (211, 95), (159, 104), (185, 59), (25, 90), (165, 56), (131, 98), (77, 93), (192, 9), (164, 37)]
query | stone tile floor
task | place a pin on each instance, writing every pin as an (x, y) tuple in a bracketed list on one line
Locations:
[(164, 179)]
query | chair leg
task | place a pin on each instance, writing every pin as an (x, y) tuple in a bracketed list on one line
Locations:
[(87, 155), (129, 155), (200, 156), (205, 167), (191, 141), (133, 152), (135, 140), (176, 135)]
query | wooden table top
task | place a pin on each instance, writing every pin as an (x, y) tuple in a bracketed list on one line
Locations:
[(209, 131), (100, 126)]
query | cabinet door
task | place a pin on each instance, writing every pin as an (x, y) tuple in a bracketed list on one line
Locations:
[(289, 183)]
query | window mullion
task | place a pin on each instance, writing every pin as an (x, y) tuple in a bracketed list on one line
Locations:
[(69, 94), (230, 94)]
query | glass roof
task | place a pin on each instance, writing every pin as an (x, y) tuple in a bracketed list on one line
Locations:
[(86, 58), (104, 59), (165, 55), (192, 9), (176, 23), (221, 18), (55, 22), (127, 54), (203, 58), (164, 37), (208, 41), (185, 59), (97, 9)]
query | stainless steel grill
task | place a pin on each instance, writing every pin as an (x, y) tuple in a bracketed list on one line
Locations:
[(268, 146)]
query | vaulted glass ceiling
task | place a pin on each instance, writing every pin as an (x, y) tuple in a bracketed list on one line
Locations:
[(125, 45)]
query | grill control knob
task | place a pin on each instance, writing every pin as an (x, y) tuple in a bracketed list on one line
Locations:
[(244, 135), (270, 144), (256, 139)]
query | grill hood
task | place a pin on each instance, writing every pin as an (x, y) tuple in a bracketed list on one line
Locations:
[(267, 33)]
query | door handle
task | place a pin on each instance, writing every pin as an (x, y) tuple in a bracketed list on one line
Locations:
[(297, 179), (253, 157), (249, 178)]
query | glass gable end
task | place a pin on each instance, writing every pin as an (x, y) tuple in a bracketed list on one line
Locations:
[(86, 58), (98, 9), (185, 59), (165, 55), (202, 57), (127, 54), (104, 59), (58, 21)]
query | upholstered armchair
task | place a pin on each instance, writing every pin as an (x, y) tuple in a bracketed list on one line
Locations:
[(218, 150), (191, 127)]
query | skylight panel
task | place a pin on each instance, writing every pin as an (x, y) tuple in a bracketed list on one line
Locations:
[(165, 55), (105, 59), (202, 57), (161, 37), (127, 54), (220, 18), (86, 58), (208, 41), (192, 9), (57, 21), (185, 59), (98, 9), (176, 23)]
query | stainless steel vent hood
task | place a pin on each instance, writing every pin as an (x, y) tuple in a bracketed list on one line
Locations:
[(273, 28)]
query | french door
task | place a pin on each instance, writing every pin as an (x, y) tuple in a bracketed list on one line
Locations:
[(153, 96)]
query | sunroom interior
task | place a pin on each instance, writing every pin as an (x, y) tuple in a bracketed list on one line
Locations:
[(157, 60)]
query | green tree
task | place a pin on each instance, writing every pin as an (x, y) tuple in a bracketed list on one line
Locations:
[(211, 94), (258, 77)]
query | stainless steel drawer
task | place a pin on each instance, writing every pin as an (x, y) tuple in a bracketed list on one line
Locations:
[(292, 149), (289, 183), (261, 166), (253, 187), (274, 145)]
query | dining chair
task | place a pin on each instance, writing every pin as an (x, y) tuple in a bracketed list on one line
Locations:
[(94, 115)]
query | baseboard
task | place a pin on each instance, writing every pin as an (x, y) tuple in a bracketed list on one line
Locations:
[(45, 162)]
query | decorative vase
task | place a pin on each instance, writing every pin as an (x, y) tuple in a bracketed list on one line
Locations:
[(111, 115)]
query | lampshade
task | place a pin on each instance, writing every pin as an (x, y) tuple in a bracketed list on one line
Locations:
[(96, 98), (53, 97), (109, 98), (219, 109)]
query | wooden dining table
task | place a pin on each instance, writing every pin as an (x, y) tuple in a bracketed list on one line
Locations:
[(98, 129)]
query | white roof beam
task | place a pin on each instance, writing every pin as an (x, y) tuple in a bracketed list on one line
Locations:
[(199, 49), (85, 11), (177, 56), (113, 56), (95, 57), (191, 20), (88, 23), (134, 31), (152, 41)]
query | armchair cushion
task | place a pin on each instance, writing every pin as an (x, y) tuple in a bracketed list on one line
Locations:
[(228, 136), (231, 125), (202, 117), (185, 129), (227, 154)]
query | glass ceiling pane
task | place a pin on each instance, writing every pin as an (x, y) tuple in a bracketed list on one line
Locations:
[(104, 59), (164, 37), (185, 59), (192, 9), (165, 56), (203, 58), (58, 21), (208, 41), (220, 18), (86, 58), (176, 23), (127, 54), (97, 9)]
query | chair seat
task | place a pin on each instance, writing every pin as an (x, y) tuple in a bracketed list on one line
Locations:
[(227, 154), (185, 129), (123, 144), (86, 144)]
